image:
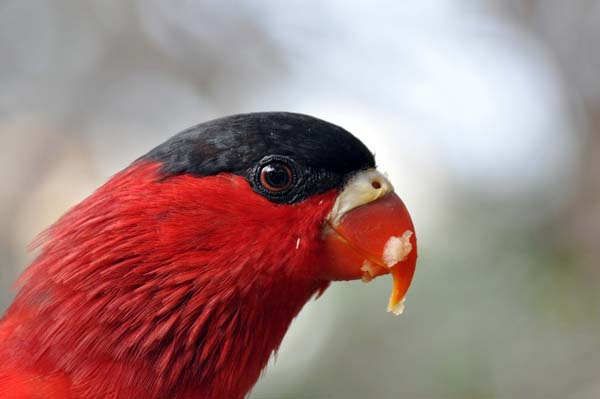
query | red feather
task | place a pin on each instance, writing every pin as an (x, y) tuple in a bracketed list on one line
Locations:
[(180, 288)]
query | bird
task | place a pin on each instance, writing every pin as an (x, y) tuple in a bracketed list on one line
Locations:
[(179, 277)]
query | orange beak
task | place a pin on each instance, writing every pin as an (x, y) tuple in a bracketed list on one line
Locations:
[(373, 239)]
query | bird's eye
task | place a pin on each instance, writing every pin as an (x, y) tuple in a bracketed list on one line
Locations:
[(276, 177)]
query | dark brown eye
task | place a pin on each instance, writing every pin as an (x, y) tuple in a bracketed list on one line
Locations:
[(276, 177)]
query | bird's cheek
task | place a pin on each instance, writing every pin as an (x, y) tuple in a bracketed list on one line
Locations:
[(372, 240)]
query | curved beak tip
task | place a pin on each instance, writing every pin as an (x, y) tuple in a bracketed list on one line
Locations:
[(396, 251)]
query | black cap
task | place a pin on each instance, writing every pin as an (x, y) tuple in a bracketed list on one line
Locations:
[(321, 155)]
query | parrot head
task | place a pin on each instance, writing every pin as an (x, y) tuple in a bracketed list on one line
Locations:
[(306, 183)]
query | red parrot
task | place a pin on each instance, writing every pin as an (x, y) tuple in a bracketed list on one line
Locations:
[(179, 277)]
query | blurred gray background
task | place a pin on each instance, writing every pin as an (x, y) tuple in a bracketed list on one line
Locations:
[(486, 114)]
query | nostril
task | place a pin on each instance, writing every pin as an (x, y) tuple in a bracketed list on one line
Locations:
[(376, 184)]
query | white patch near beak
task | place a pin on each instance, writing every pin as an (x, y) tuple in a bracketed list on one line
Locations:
[(368, 272), (396, 249), (398, 309), (364, 187)]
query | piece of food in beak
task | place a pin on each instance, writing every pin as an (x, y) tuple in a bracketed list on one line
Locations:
[(370, 233)]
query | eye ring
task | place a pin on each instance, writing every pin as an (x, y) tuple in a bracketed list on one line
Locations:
[(276, 177)]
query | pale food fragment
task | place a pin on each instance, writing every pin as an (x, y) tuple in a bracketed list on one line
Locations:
[(396, 249), (369, 273), (398, 308)]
